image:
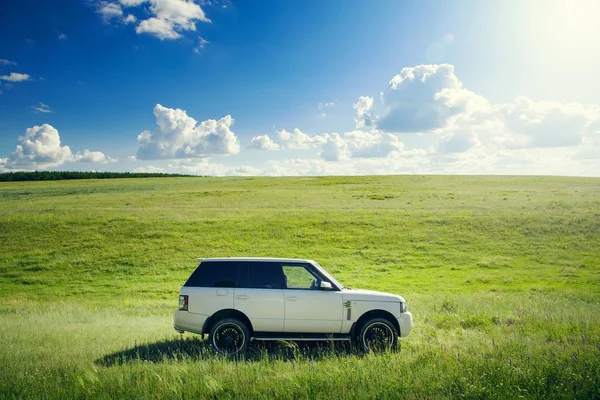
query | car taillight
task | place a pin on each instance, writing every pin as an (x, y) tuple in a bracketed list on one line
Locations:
[(183, 302)]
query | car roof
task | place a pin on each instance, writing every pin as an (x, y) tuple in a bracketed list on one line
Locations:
[(265, 259)]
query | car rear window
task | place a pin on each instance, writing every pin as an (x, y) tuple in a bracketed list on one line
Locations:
[(215, 274)]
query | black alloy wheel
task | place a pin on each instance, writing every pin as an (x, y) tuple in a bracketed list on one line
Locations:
[(229, 336)]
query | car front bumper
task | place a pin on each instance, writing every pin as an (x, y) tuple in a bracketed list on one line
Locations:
[(405, 321)]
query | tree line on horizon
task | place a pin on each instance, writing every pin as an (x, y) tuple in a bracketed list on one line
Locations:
[(64, 175)]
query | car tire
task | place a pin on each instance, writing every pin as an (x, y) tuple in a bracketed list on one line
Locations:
[(377, 335), (229, 336)]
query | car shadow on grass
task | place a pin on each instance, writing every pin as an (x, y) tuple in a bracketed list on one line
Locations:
[(181, 349)]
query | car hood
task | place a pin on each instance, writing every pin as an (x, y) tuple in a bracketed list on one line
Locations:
[(369, 295)]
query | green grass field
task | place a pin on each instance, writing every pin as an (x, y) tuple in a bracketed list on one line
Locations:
[(502, 275)]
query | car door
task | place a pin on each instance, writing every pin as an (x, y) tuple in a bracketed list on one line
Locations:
[(307, 307), (260, 295)]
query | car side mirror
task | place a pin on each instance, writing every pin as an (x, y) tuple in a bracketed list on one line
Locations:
[(325, 286)]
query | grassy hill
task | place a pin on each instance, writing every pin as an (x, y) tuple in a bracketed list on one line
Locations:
[(502, 275)]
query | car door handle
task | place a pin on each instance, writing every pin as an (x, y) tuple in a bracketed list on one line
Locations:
[(242, 297), (291, 298)]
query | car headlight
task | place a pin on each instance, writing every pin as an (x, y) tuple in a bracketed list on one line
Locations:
[(403, 308)]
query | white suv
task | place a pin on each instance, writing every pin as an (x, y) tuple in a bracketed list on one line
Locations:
[(235, 300)]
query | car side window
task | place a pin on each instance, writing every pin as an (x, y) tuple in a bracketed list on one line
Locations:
[(262, 275), (215, 274), (299, 277)]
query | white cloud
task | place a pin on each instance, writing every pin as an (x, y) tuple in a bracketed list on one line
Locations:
[(113, 12), (171, 17), (205, 167), (547, 161), (423, 98), (160, 28), (7, 62), (132, 3), (15, 77), (543, 124), (431, 98), (299, 140), (164, 19), (130, 19), (324, 106), (178, 136), (458, 131), (109, 11), (360, 144), (92, 157), (42, 108), (201, 44), (40, 148), (296, 167), (372, 144), (364, 112), (150, 169), (62, 36), (263, 142), (335, 147), (457, 142)]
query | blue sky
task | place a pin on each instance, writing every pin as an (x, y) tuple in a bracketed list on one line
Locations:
[(301, 88)]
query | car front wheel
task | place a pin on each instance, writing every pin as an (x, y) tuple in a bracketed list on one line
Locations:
[(229, 336), (377, 335)]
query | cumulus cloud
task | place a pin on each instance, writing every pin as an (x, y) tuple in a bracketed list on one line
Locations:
[(423, 98), (170, 17), (164, 19), (297, 139), (372, 144), (431, 98), (41, 148), (179, 136), (92, 157), (457, 142), (263, 142), (360, 144), (15, 77), (335, 147), (109, 11), (543, 124), (364, 112), (130, 19)]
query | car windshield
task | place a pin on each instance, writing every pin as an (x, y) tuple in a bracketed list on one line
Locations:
[(331, 278)]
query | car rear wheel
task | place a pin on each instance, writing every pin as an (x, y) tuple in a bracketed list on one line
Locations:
[(229, 336), (377, 335)]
